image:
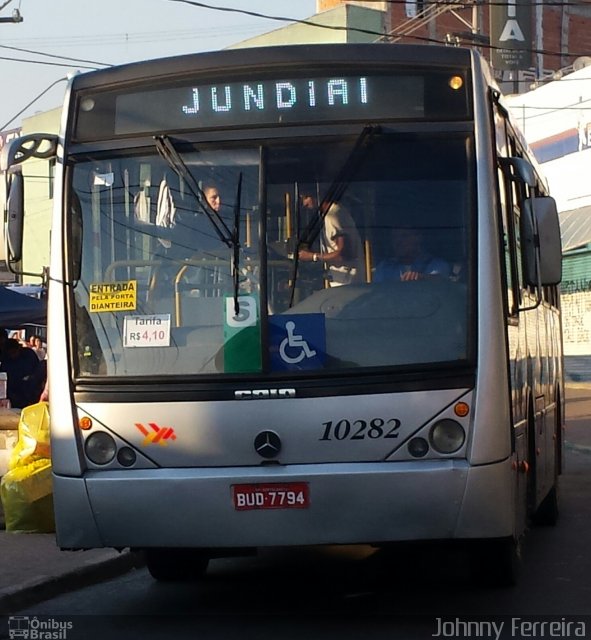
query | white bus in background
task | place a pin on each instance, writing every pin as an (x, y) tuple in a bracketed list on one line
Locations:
[(211, 391)]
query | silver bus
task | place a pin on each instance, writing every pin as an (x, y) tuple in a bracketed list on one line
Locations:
[(298, 295)]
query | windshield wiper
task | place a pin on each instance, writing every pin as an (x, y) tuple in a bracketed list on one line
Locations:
[(236, 246), (168, 151), (340, 183), (298, 243), (334, 193)]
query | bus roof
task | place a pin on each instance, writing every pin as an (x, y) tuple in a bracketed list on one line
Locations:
[(291, 55)]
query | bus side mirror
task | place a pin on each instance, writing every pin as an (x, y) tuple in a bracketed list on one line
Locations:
[(12, 155), (13, 217), (542, 247)]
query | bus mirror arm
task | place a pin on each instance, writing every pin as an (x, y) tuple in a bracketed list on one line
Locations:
[(538, 280), (519, 169), (36, 145)]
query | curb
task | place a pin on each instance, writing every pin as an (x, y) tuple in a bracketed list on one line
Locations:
[(579, 448), (577, 384), (43, 588)]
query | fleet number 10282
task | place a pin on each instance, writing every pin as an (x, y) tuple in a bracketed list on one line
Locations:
[(360, 429)]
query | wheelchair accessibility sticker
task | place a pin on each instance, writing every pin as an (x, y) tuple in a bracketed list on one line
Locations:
[(297, 342)]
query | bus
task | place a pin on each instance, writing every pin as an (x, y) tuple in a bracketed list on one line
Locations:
[(218, 385)]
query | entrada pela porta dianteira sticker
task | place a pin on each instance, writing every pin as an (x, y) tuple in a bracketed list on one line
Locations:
[(113, 296)]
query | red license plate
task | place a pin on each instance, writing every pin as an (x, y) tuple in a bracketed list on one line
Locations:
[(286, 495)]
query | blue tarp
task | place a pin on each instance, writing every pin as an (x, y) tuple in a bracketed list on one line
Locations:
[(17, 309)]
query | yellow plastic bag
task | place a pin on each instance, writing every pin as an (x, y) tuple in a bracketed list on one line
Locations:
[(33, 436), (26, 489)]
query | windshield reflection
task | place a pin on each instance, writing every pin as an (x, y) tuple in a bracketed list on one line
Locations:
[(361, 260)]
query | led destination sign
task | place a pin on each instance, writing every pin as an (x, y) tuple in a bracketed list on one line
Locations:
[(264, 102), (284, 95), (267, 102)]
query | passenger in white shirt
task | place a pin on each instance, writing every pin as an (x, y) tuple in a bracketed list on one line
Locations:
[(340, 242)]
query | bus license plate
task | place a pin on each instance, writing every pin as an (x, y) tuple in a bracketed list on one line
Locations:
[(289, 495)]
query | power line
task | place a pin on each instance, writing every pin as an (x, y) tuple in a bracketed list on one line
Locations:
[(32, 102), (51, 55), (285, 19), (543, 82), (142, 37), (50, 64), (549, 109), (256, 14), (494, 3), (125, 39), (381, 36)]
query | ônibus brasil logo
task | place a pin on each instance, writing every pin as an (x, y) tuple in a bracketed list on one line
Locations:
[(34, 628)]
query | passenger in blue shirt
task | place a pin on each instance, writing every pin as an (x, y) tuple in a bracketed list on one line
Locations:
[(410, 259)]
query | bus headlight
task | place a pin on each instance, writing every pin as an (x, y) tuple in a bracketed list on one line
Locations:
[(418, 447), (447, 436), (100, 447), (126, 457)]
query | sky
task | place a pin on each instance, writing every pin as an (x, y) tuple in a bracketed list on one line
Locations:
[(114, 32)]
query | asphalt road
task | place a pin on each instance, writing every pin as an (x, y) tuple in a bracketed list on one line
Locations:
[(357, 592)]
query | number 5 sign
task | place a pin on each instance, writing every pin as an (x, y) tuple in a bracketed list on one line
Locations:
[(247, 315), (242, 336)]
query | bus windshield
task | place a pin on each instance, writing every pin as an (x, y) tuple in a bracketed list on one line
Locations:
[(296, 256)]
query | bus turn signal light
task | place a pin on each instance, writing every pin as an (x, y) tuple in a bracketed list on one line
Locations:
[(85, 423), (461, 409)]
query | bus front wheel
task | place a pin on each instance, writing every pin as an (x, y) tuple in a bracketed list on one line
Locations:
[(496, 563), (172, 564)]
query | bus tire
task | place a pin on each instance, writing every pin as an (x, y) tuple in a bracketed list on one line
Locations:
[(547, 513), (496, 563), (173, 564)]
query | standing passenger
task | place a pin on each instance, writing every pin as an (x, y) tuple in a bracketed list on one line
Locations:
[(341, 246)]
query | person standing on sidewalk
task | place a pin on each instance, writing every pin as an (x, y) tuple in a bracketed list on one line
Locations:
[(23, 372)]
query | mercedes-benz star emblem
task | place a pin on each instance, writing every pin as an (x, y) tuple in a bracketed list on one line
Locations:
[(267, 444)]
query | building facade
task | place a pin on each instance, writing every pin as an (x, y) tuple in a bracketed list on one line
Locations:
[(553, 34), (345, 22)]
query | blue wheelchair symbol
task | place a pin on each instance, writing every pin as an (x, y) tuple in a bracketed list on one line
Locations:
[(297, 342)]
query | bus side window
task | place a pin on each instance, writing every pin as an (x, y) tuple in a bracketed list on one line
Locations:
[(509, 230)]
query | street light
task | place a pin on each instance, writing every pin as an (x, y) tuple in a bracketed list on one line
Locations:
[(476, 39), (15, 17)]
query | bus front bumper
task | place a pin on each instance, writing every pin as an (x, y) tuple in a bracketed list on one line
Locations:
[(348, 504)]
